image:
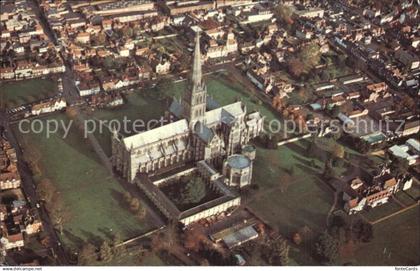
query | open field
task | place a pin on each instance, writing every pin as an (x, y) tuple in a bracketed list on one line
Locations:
[(91, 196), (396, 242), (291, 194), (138, 106), (27, 91), (134, 258)]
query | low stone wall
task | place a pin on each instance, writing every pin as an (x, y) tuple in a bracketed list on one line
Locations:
[(177, 175), (281, 143)]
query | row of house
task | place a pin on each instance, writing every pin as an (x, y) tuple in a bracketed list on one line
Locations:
[(17, 220), (26, 48)]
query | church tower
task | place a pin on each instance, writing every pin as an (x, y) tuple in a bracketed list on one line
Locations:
[(195, 97)]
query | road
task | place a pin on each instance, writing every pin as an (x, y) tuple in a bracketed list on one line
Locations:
[(28, 187)]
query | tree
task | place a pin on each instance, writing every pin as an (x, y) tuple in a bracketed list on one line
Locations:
[(163, 88), (399, 166), (281, 249), (134, 204), (216, 258), (327, 248), (328, 169), (335, 111), (117, 248), (297, 239), (276, 252), (338, 151), (128, 32), (170, 237), (101, 38), (284, 13), (295, 67), (362, 231), (46, 190), (278, 103), (304, 95), (109, 62), (105, 252), (193, 192), (87, 254), (310, 55), (325, 75), (126, 196)]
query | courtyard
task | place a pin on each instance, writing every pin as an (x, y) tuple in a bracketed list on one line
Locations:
[(188, 192)]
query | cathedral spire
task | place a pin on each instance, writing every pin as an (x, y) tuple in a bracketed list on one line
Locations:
[(197, 74), (195, 97)]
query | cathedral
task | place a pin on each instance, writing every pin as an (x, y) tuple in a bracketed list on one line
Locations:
[(201, 132)]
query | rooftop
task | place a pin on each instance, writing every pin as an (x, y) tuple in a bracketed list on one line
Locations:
[(239, 161)]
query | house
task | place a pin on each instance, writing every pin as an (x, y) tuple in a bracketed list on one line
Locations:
[(409, 151), (263, 81), (83, 37), (109, 83), (24, 69), (9, 180), (360, 193), (107, 24), (13, 241), (374, 92), (3, 212), (88, 87), (7, 73), (310, 13), (32, 224), (411, 127), (408, 58), (163, 67), (49, 106)]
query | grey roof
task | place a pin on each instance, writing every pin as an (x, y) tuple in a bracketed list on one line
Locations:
[(203, 132), (157, 134), (239, 161), (227, 118), (414, 144), (239, 237), (212, 103), (176, 108), (228, 111)]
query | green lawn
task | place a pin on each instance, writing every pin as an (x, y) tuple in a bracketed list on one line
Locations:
[(396, 242), (27, 91), (285, 205), (134, 258), (138, 106), (89, 193), (382, 211)]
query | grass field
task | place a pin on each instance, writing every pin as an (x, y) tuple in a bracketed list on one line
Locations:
[(89, 193), (138, 106), (134, 258), (303, 200), (27, 91), (396, 242)]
